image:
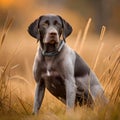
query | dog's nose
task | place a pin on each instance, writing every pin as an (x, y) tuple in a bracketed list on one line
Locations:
[(53, 34)]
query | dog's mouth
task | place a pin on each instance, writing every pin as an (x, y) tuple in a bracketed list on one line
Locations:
[(50, 47)]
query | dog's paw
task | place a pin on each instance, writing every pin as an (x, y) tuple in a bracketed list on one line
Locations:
[(34, 113)]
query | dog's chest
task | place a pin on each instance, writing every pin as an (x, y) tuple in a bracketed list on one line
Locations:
[(53, 80), (50, 67)]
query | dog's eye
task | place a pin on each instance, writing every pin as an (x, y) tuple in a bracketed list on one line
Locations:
[(57, 23), (45, 24)]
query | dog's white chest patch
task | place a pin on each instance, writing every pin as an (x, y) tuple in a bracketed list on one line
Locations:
[(48, 73)]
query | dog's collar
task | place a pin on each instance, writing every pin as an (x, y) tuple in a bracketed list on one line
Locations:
[(50, 54)]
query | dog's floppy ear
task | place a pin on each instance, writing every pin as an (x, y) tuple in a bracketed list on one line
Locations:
[(33, 29), (67, 29)]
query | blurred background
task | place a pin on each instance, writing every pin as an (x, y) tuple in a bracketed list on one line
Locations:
[(18, 49), (102, 12), (77, 13)]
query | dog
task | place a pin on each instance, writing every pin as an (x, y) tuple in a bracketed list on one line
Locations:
[(59, 68)]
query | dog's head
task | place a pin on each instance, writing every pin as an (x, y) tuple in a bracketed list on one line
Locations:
[(48, 29)]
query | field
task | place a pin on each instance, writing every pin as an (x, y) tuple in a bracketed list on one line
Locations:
[(17, 51)]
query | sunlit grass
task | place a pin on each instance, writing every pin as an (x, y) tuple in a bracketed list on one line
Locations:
[(16, 92)]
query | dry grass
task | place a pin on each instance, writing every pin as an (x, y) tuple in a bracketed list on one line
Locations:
[(85, 34), (16, 92), (100, 46)]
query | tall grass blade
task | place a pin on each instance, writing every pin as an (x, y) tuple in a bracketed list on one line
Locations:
[(98, 55), (7, 26), (109, 67), (85, 34), (100, 46), (114, 70), (77, 40), (21, 102), (102, 33)]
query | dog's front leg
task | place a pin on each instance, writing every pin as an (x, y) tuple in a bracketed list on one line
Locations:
[(39, 94), (66, 71), (70, 93)]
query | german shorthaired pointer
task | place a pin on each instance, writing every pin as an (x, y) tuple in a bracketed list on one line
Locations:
[(59, 68)]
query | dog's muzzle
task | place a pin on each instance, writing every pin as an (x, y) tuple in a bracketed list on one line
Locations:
[(52, 49), (52, 43), (52, 36)]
